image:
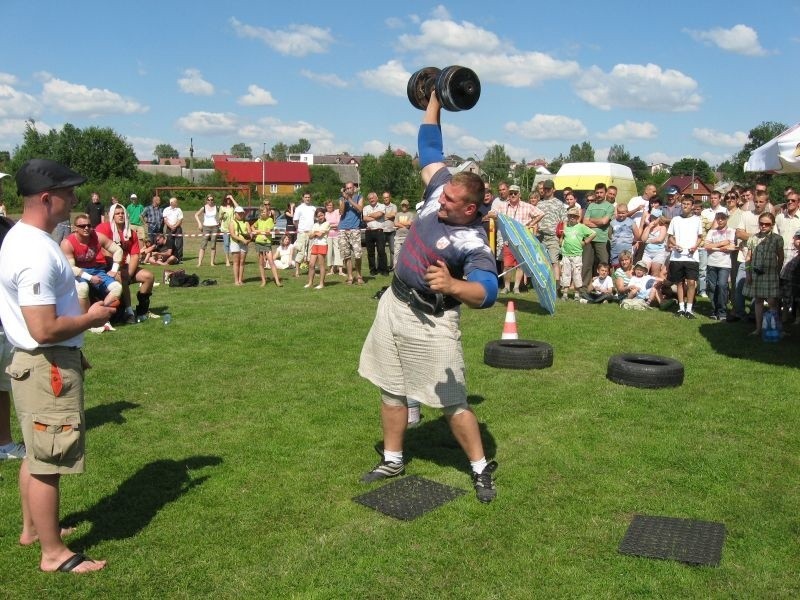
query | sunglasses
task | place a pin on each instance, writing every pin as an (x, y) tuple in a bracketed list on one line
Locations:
[(765, 224), (87, 226)]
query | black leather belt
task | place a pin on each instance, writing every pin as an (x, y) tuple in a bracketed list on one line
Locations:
[(430, 304)]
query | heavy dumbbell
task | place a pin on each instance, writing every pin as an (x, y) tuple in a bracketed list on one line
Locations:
[(458, 88)]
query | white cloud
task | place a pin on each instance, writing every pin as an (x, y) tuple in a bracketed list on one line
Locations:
[(270, 128), (192, 82), (14, 103), (630, 130), (8, 79), (739, 39), (74, 98), (737, 139), (143, 146), (208, 123), (443, 41), (393, 23), (327, 79), (257, 96), (548, 127), (440, 12), (12, 130), (405, 128), (714, 159), (662, 157), (646, 87), (390, 78), (296, 40), (374, 147)]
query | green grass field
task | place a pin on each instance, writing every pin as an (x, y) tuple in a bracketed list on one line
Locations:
[(225, 449)]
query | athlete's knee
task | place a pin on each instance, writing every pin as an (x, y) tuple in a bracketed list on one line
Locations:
[(454, 410), (395, 400)]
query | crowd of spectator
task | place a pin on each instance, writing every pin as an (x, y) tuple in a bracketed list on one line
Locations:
[(738, 250)]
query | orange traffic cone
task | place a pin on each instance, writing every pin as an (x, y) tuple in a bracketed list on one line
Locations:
[(510, 326)]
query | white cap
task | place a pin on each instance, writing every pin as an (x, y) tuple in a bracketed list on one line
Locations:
[(134, 196)]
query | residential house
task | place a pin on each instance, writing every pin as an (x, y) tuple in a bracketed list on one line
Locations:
[(269, 177), (692, 186)]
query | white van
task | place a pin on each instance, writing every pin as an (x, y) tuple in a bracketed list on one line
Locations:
[(583, 176)]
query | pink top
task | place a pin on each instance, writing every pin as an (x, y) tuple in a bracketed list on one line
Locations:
[(332, 218)]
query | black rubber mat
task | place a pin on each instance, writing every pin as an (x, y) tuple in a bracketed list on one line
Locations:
[(409, 497), (684, 540)]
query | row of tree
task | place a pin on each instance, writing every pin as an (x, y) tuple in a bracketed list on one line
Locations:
[(110, 164)]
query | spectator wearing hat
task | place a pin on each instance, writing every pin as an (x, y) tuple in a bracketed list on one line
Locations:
[(719, 243), (554, 215), (576, 235), (43, 319), (134, 210), (173, 222), (642, 288), (672, 208), (207, 217), (529, 216)]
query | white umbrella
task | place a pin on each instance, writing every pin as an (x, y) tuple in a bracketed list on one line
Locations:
[(780, 155)]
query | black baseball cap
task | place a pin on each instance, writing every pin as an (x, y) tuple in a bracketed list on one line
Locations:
[(41, 175)]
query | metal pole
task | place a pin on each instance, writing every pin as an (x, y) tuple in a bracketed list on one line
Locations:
[(263, 169)]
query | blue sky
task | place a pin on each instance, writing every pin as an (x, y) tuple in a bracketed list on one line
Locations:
[(666, 80)]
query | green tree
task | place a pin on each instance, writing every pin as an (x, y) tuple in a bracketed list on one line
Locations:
[(696, 166), (96, 153), (325, 184), (391, 172), (581, 152), (165, 151), (496, 163), (618, 154), (279, 151), (242, 150), (758, 136), (301, 147)]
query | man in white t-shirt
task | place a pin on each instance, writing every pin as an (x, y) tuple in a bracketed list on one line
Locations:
[(43, 319), (173, 222), (685, 234), (303, 222), (638, 204)]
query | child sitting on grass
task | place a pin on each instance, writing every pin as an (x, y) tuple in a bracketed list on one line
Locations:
[(574, 237), (602, 287), (643, 289)]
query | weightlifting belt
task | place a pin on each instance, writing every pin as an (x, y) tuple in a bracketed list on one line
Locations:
[(430, 304)]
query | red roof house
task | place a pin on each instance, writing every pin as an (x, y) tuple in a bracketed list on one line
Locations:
[(277, 177)]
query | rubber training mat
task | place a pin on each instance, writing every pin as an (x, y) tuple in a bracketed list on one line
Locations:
[(684, 540), (409, 497)]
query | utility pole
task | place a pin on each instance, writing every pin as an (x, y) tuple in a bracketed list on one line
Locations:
[(191, 160), (263, 169)]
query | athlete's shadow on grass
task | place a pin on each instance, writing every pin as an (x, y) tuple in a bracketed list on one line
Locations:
[(732, 340), (138, 499), (107, 413), (433, 440)]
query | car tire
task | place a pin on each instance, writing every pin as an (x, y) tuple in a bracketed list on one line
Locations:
[(645, 371), (518, 354)]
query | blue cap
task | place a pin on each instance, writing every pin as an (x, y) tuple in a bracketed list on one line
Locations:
[(672, 190)]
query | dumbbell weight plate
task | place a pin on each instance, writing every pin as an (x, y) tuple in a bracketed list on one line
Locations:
[(420, 85), (458, 88)]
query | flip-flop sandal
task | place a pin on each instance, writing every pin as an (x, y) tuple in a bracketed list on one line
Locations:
[(349, 282), (360, 281), (73, 561)]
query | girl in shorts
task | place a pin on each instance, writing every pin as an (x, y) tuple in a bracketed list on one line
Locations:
[(319, 248)]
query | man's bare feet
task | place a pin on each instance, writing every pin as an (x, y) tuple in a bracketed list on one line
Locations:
[(26, 539), (73, 563)]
